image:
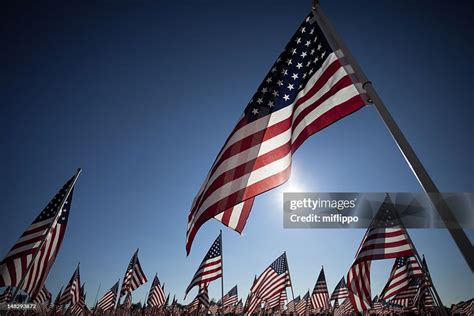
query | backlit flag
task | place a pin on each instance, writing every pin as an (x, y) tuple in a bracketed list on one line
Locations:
[(344, 309), (58, 307), (134, 276), (27, 264), (273, 280), (79, 307), (340, 292), (358, 286), (203, 296), (406, 297), (230, 298), (44, 296), (404, 269), (127, 303), (72, 292), (210, 268), (320, 295), (156, 296), (107, 302), (239, 309), (291, 306), (307, 89)]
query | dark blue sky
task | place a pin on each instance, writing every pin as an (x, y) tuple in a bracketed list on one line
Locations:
[(142, 95)]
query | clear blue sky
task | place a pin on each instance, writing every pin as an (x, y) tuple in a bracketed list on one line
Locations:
[(142, 95)]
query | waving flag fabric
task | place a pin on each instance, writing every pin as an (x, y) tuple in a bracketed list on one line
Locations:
[(210, 268), (44, 296), (72, 292), (134, 276), (320, 295), (307, 89), (29, 261), (340, 292), (156, 296), (107, 302), (404, 269)]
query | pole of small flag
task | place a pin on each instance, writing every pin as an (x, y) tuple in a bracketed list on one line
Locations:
[(222, 274), (291, 282), (23, 278), (455, 229), (96, 295)]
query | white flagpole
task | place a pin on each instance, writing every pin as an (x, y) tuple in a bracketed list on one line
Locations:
[(453, 226)]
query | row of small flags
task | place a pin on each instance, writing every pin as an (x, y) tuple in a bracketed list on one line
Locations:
[(409, 287)]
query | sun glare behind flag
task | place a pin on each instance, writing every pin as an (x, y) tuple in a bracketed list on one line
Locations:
[(26, 266), (307, 89)]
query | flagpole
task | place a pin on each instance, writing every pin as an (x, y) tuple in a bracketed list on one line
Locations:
[(222, 270), (23, 278), (291, 282), (454, 228), (96, 295)]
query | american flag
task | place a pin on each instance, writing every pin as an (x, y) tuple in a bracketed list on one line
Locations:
[(210, 268), (320, 295), (156, 296), (291, 306), (273, 280), (274, 301), (44, 296), (386, 238), (107, 301), (72, 292), (230, 298), (406, 297), (307, 89), (340, 292), (344, 309), (134, 276), (404, 268), (203, 296), (57, 306), (79, 307), (127, 303), (6, 295), (26, 266), (239, 309), (302, 306)]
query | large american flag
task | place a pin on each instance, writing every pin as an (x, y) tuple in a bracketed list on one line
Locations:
[(134, 276), (107, 301), (72, 292), (210, 268), (156, 296), (404, 269), (273, 280), (320, 295), (340, 292), (307, 89), (27, 264)]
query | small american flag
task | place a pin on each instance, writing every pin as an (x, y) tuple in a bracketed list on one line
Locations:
[(404, 268), (203, 296), (107, 302), (44, 296), (156, 296), (210, 268), (302, 306), (406, 297), (127, 303), (340, 292), (134, 276), (80, 306), (6, 295), (230, 298), (320, 295), (291, 306), (72, 292), (307, 89), (273, 280), (27, 264)]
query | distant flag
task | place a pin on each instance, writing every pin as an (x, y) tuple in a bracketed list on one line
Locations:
[(404, 269), (291, 306), (344, 309), (44, 296), (156, 296), (26, 266), (306, 90), (72, 292), (203, 296), (57, 305), (340, 292), (127, 303), (302, 305), (336, 303), (6, 295), (210, 268), (283, 298), (230, 298), (385, 238), (239, 309), (406, 297), (134, 276), (107, 302), (79, 307), (167, 299), (273, 280), (320, 295)]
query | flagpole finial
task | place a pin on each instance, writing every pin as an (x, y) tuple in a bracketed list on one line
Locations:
[(314, 4)]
